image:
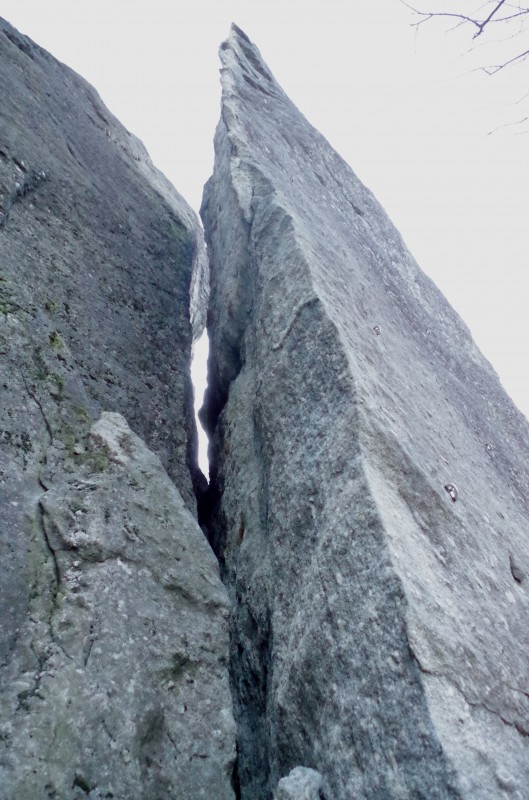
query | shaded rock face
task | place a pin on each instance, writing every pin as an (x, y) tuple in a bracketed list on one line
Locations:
[(379, 627), (113, 631), (96, 258), (119, 687)]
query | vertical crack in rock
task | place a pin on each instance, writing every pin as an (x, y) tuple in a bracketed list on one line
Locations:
[(16, 182), (40, 508), (51, 551), (375, 622)]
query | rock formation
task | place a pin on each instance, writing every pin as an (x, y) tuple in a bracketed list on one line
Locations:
[(368, 494), (113, 646), (129, 696), (369, 484), (97, 258)]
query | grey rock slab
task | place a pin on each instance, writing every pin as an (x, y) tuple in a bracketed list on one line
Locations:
[(97, 255), (113, 631), (119, 683), (380, 627)]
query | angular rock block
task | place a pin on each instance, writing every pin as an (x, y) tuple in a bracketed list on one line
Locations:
[(118, 686), (113, 630), (369, 496), (300, 784)]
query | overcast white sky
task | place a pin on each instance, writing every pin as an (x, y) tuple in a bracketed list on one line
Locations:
[(404, 111)]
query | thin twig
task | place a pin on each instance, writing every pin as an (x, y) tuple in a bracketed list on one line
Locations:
[(493, 70), (480, 26)]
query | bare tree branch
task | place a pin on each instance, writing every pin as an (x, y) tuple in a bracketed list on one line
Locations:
[(516, 122), (493, 69), (508, 20), (481, 25), (484, 21)]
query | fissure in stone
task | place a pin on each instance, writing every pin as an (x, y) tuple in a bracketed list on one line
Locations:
[(370, 635)]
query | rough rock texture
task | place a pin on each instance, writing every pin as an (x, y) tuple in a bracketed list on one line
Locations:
[(301, 784), (113, 637), (96, 257), (380, 628), (119, 686)]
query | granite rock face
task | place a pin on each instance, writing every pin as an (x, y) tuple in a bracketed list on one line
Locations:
[(369, 495), (119, 686), (113, 631), (97, 251)]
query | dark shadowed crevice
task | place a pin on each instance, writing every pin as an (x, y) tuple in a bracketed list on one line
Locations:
[(209, 510), (235, 778)]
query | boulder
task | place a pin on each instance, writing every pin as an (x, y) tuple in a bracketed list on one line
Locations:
[(113, 632), (301, 784), (118, 687), (369, 497)]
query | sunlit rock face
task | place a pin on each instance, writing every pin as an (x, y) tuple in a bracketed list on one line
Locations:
[(113, 629), (369, 493)]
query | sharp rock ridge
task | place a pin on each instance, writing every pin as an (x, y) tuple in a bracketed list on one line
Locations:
[(369, 482)]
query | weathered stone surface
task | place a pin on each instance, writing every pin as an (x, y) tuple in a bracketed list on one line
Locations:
[(301, 784), (380, 629), (118, 686), (96, 257), (113, 680)]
